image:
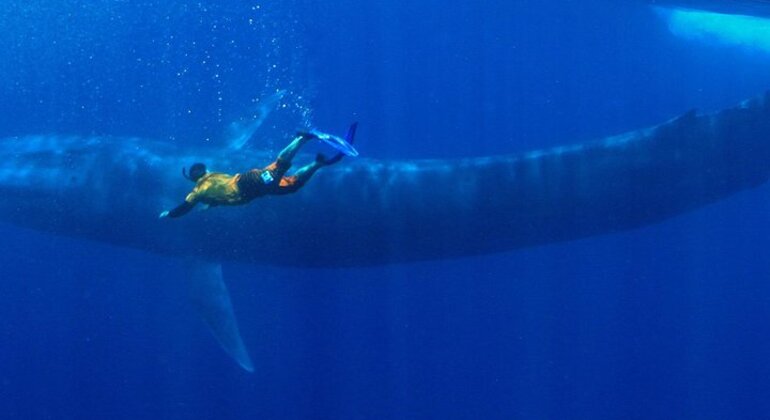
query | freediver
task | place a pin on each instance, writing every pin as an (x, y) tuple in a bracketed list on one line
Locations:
[(217, 188)]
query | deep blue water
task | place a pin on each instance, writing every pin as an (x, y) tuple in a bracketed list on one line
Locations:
[(668, 321)]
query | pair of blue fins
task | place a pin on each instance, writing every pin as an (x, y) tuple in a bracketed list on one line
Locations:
[(343, 145)]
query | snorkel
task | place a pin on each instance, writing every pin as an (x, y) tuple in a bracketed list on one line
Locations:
[(197, 170)]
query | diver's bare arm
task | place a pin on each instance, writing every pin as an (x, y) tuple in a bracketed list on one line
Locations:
[(181, 209)]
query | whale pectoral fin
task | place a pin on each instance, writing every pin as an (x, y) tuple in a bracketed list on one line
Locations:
[(212, 300), (240, 132)]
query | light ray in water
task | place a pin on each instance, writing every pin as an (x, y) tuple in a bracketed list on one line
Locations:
[(736, 30)]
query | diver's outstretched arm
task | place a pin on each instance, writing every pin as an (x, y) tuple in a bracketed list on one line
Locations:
[(179, 210)]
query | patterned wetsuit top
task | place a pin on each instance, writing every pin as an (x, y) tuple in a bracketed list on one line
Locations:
[(216, 189)]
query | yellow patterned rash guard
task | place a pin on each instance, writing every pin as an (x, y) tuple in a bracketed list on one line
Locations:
[(216, 189)]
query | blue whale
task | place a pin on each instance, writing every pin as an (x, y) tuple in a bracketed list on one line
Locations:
[(760, 8), (366, 212)]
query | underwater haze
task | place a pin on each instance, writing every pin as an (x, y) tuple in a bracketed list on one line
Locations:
[(664, 321)]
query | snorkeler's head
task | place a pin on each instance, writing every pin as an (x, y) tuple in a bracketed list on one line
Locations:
[(196, 172)]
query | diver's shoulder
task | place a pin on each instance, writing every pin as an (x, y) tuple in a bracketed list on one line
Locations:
[(216, 176)]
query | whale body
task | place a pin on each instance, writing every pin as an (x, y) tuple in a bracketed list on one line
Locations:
[(760, 8), (365, 212)]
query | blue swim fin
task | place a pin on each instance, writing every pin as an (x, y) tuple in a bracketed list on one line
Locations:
[(351, 136), (341, 145)]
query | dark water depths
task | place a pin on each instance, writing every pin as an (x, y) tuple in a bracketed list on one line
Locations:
[(668, 321)]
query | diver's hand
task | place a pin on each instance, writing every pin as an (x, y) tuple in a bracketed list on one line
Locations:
[(163, 214)]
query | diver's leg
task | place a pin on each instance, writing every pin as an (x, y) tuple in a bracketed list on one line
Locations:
[(304, 173), (288, 152), (282, 163), (293, 183)]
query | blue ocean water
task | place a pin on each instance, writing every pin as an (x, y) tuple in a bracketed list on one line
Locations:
[(667, 321)]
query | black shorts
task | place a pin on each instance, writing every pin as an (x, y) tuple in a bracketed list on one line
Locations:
[(252, 184)]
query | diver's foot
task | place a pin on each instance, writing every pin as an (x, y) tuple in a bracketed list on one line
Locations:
[(321, 159), (306, 135)]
